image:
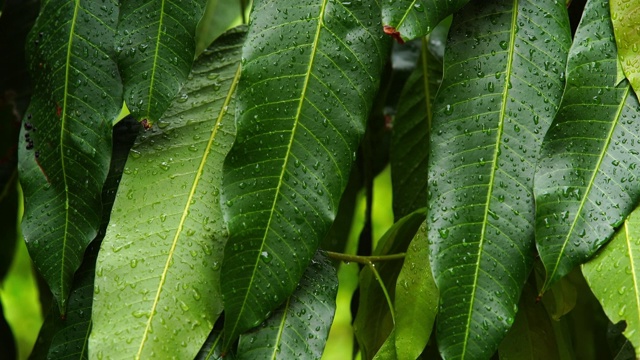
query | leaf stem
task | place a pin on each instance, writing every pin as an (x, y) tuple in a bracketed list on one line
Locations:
[(384, 290), (365, 260)]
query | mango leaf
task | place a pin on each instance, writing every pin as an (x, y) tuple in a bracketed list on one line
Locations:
[(219, 15), (300, 327), (388, 349), (65, 144), (613, 276), (625, 16), (501, 88), (157, 271), (212, 348), (588, 154), (410, 19), (309, 75), (155, 45), (416, 300)]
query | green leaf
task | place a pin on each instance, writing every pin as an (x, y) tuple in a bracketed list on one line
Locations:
[(300, 327), (157, 271), (588, 155), (416, 300), (410, 19), (65, 145), (7, 342), (212, 348), (625, 16), (308, 79), (156, 45), (497, 99), (388, 350), (614, 274), (219, 15)]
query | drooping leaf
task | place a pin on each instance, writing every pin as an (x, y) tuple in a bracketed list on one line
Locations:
[(625, 16), (416, 300), (375, 319), (219, 15), (584, 184), (501, 88), (156, 45), (65, 144), (614, 274), (308, 79), (300, 327), (411, 19), (388, 349), (157, 271)]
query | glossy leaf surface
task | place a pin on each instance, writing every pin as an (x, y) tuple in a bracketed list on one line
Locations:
[(584, 184), (65, 145), (300, 327), (156, 45), (157, 271), (614, 277), (625, 16), (308, 79), (411, 19), (501, 88)]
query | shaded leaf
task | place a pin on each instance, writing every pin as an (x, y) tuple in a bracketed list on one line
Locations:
[(588, 155), (65, 145), (212, 348), (300, 327), (388, 349), (501, 87), (219, 15), (625, 16), (156, 45), (308, 79), (157, 271), (7, 342), (411, 19)]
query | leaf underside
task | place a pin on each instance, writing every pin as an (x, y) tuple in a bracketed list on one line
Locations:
[(585, 181), (411, 19), (158, 268), (501, 88), (308, 76)]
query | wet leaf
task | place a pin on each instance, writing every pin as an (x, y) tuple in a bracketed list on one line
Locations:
[(219, 15), (65, 143), (498, 97), (411, 19), (156, 45), (158, 267), (300, 327), (625, 16), (309, 75), (585, 181)]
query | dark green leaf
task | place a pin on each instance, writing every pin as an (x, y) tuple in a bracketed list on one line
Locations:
[(7, 342), (212, 348), (308, 79), (300, 327), (411, 19), (157, 271), (584, 184), (65, 145), (501, 88), (388, 350), (156, 45)]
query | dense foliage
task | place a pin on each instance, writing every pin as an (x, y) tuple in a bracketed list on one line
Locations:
[(207, 217)]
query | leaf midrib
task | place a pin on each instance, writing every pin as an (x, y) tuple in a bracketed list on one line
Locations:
[(280, 330), (634, 275), (155, 61)]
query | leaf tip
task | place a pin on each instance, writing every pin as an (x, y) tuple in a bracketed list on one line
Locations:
[(391, 31)]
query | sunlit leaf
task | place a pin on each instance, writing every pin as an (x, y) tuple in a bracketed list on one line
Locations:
[(157, 271), (65, 145), (156, 45), (585, 181), (411, 19), (219, 15), (625, 16), (502, 84), (310, 71)]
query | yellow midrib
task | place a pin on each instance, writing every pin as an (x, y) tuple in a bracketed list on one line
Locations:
[(155, 62), (280, 330)]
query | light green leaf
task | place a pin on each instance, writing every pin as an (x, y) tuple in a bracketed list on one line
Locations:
[(416, 300), (614, 277), (411, 19), (588, 155), (65, 144), (300, 327), (625, 16), (156, 45), (502, 84), (311, 69), (157, 271), (219, 15), (388, 350)]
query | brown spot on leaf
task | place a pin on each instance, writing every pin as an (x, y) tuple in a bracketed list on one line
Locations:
[(146, 124), (391, 31)]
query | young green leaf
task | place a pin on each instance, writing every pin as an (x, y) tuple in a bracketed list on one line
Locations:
[(589, 153), (65, 143), (310, 71), (163, 247), (156, 45), (410, 19), (614, 277), (502, 84), (300, 327), (625, 16)]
